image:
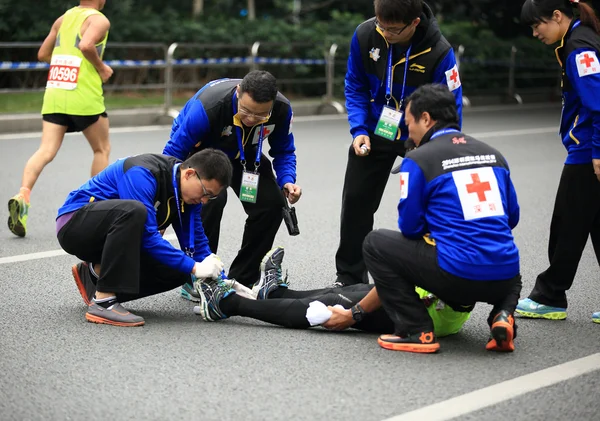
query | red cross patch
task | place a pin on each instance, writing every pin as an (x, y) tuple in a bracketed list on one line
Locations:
[(403, 185), (478, 192), (587, 63), (453, 78)]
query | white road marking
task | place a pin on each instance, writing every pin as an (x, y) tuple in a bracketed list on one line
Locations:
[(521, 132), (492, 395), (51, 253)]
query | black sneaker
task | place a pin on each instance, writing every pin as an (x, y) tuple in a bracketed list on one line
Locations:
[(338, 284), (503, 332), (424, 342), (271, 277), (86, 284), (211, 292)]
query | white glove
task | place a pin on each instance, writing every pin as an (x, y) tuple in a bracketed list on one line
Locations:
[(210, 267)]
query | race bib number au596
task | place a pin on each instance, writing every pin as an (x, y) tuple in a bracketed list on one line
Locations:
[(64, 72)]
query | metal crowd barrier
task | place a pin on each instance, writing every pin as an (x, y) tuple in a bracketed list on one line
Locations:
[(507, 77), (169, 63)]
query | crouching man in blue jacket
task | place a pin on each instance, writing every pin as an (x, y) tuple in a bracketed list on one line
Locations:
[(113, 222), (456, 213)]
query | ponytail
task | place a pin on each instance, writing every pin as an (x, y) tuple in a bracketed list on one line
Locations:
[(587, 15)]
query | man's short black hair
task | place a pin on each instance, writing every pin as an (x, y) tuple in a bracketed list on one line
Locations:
[(435, 99), (211, 164), (260, 85), (398, 11)]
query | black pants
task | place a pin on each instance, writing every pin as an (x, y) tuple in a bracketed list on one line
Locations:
[(576, 217), (262, 224), (364, 183), (398, 264), (109, 233), (289, 308)]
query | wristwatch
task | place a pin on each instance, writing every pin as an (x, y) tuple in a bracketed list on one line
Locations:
[(357, 313)]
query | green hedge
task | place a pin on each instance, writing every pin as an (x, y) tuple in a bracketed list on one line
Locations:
[(484, 65)]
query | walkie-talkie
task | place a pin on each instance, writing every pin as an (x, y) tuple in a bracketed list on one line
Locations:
[(289, 216)]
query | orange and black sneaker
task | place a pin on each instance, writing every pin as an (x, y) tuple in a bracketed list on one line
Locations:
[(424, 342), (503, 332), (85, 282)]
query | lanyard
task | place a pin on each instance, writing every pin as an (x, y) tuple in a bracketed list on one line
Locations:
[(238, 131), (443, 132), (188, 250), (390, 79)]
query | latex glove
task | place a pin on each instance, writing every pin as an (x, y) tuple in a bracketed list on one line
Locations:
[(210, 267)]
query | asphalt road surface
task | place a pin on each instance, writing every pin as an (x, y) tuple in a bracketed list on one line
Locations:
[(56, 366)]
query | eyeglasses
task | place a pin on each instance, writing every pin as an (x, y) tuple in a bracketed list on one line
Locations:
[(260, 117), (389, 31), (206, 193)]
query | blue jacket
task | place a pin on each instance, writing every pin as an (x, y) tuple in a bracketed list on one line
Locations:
[(148, 179), (580, 121), (209, 120), (457, 192), (431, 60)]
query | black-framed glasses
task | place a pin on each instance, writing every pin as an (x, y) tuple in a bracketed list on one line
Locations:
[(389, 31), (205, 192)]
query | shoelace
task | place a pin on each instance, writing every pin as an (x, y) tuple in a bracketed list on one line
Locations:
[(273, 275)]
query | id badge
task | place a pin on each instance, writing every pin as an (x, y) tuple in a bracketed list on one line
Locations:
[(249, 189), (387, 126)]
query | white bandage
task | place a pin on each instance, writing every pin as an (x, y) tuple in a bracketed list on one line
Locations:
[(317, 313)]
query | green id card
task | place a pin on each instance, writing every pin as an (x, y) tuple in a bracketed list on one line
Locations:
[(387, 126), (249, 188)]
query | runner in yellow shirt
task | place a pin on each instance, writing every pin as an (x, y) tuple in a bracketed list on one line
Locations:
[(73, 101)]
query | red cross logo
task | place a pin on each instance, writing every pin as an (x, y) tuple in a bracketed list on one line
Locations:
[(266, 131), (587, 60), (478, 187), (454, 75)]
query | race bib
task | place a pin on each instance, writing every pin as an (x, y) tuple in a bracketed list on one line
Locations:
[(478, 193), (64, 72)]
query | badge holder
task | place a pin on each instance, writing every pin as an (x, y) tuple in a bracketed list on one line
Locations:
[(289, 216), (249, 186), (388, 123)]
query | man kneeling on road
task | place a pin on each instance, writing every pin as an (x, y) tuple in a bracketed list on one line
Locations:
[(457, 210), (277, 304), (113, 222)]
